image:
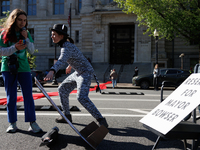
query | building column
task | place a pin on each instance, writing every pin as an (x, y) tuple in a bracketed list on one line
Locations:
[(42, 8), (135, 44), (87, 6), (16, 4)]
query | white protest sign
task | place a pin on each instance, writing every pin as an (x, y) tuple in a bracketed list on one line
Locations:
[(176, 106)]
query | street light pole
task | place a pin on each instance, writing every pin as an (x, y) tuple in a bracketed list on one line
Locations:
[(156, 69), (156, 49), (156, 34)]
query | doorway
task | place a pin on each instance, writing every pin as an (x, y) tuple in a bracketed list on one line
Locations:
[(122, 44)]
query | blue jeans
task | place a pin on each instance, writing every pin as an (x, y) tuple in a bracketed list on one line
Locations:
[(114, 82), (25, 81)]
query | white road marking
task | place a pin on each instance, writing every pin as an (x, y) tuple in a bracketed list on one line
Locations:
[(55, 113), (139, 111), (85, 115), (108, 99)]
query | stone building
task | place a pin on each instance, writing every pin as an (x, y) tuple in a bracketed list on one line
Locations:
[(104, 34)]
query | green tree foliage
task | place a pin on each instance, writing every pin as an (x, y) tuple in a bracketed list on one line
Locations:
[(172, 18), (2, 20), (31, 58)]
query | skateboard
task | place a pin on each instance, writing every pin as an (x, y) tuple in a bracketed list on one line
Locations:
[(91, 134)]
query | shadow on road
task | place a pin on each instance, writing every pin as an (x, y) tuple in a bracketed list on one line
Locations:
[(133, 132), (63, 140)]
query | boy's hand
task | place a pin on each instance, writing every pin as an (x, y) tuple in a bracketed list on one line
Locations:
[(49, 76), (68, 69)]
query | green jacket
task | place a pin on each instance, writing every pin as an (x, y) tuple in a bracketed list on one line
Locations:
[(21, 55)]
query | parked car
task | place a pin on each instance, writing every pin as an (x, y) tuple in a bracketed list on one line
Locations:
[(34, 73), (172, 75)]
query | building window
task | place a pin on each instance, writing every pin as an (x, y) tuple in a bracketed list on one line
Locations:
[(5, 6), (110, 1), (76, 36), (79, 5), (31, 7), (31, 31), (58, 7)]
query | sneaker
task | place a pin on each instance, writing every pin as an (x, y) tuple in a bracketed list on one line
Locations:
[(62, 120), (34, 127), (12, 128), (102, 121)]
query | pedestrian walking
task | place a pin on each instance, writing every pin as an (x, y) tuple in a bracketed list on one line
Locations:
[(113, 77), (80, 78), (136, 72), (16, 41), (156, 73)]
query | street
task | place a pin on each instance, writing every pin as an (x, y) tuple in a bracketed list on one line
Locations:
[(122, 111)]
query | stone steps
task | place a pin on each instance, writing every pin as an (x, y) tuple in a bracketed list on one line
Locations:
[(124, 77)]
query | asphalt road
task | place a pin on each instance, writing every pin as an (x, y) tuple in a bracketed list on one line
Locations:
[(123, 108)]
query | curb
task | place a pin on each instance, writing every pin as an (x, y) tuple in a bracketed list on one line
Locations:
[(108, 87), (124, 93)]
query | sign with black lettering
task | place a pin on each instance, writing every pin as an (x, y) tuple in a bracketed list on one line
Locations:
[(176, 106)]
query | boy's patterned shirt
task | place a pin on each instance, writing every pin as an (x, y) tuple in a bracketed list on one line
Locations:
[(73, 56)]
